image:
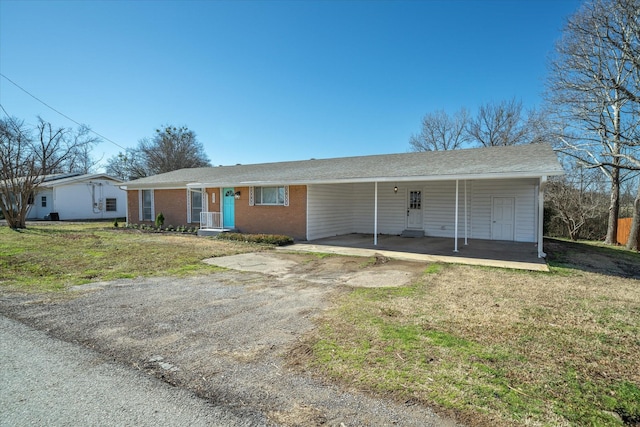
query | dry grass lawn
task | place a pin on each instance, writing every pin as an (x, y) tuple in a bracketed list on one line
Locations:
[(51, 256), (494, 346)]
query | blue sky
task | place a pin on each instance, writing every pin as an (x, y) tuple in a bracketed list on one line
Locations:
[(263, 81)]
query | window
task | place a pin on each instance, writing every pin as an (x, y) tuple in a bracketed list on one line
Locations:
[(111, 205), (270, 196), (30, 199), (147, 205), (43, 201), (196, 204)]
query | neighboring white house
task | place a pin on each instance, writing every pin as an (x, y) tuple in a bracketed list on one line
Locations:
[(78, 197)]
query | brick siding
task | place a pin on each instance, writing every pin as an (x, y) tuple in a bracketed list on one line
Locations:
[(288, 220)]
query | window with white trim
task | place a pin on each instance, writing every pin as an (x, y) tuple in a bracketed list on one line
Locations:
[(195, 199), (274, 196), (147, 205), (43, 201)]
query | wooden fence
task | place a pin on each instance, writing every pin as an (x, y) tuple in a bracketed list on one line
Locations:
[(624, 227)]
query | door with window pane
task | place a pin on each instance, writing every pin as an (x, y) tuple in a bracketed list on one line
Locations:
[(228, 208), (414, 209)]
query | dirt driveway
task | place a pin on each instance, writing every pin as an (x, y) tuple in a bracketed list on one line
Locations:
[(225, 335)]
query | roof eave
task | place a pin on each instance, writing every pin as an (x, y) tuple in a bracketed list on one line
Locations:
[(461, 177)]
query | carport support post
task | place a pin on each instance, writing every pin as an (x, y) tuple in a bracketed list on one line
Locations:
[(466, 216), (455, 227), (543, 184), (375, 215)]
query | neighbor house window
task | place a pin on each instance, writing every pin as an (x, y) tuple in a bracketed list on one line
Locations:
[(43, 201), (270, 196), (111, 205), (147, 205), (30, 200), (196, 204)]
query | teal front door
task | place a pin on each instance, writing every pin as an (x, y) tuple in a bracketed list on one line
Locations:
[(228, 208)]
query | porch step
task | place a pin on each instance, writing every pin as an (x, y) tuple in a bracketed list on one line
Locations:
[(412, 233), (210, 232)]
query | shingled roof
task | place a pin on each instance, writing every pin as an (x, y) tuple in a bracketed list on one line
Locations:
[(522, 161)]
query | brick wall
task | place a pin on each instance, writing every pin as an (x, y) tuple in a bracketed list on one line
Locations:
[(288, 220), (173, 205), (133, 206)]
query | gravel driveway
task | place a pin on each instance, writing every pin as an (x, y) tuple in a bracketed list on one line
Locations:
[(224, 336)]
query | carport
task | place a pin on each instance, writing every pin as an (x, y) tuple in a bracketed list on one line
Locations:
[(491, 253)]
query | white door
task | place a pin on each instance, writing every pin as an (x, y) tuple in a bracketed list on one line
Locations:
[(414, 209), (503, 218)]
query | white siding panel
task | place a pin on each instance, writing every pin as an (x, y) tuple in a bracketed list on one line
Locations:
[(522, 190), (349, 208), (392, 208), (37, 211), (76, 201), (329, 210), (439, 203)]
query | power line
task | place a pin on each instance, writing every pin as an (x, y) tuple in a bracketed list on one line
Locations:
[(62, 114)]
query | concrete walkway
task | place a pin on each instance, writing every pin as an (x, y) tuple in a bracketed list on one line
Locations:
[(516, 255)]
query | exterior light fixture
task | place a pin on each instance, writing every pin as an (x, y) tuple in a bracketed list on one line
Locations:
[(395, 189), (237, 195)]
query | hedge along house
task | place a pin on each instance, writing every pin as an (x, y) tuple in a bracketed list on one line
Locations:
[(493, 193)]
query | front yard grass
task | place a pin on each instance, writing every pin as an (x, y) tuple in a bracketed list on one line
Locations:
[(488, 346), (492, 346), (50, 257)]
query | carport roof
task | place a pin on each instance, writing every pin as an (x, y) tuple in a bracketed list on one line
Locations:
[(522, 161)]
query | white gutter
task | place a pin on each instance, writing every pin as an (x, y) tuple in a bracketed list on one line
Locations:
[(517, 175)]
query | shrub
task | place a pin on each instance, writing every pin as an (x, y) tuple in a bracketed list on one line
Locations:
[(271, 239), (159, 220)]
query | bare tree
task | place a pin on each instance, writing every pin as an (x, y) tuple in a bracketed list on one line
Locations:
[(170, 149), (128, 165), (173, 148), (499, 124), (49, 147), (575, 199), (592, 87), (80, 159), (25, 159), (441, 132)]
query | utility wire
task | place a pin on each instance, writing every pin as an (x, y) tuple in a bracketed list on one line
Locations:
[(62, 114)]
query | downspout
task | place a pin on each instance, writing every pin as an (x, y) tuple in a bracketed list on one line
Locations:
[(306, 224), (541, 187), (126, 206), (375, 215), (455, 227)]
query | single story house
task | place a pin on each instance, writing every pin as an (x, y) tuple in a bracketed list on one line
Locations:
[(491, 193), (78, 197)]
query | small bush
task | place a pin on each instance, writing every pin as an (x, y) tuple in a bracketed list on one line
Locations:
[(159, 220), (271, 239)]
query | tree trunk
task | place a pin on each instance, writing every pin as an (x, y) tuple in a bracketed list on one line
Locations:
[(614, 209), (634, 233)]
